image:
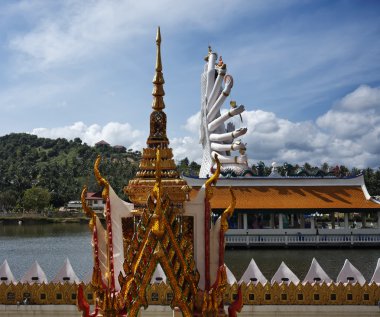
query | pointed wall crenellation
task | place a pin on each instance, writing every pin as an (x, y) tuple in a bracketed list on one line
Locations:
[(254, 292)]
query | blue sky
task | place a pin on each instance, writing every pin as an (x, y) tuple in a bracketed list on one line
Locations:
[(308, 73)]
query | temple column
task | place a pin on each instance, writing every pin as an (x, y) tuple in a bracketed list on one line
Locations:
[(364, 219), (271, 221), (245, 222), (280, 221), (312, 223), (292, 220), (332, 219), (240, 221), (302, 221), (346, 220)]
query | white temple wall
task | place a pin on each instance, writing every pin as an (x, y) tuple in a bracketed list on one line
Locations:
[(195, 209)]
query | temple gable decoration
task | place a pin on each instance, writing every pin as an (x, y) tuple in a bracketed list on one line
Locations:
[(160, 227)]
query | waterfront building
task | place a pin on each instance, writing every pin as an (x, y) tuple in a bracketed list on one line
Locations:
[(289, 211), (275, 210), (95, 201)]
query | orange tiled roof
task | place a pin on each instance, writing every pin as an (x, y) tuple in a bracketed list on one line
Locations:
[(292, 197)]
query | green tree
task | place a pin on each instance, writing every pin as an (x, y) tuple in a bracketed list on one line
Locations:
[(36, 199), (8, 200)]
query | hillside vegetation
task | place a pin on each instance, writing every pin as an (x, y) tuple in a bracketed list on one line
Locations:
[(58, 167), (36, 173)]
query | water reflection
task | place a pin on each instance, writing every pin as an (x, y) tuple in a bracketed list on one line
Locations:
[(50, 244), (41, 230)]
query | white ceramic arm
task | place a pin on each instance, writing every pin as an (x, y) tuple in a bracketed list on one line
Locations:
[(241, 159), (218, 121), (229, 82), (237, 145), (227, 137), (210, 74), (217, 87)]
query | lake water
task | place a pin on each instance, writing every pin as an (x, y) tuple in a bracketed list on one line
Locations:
[(51, 244)]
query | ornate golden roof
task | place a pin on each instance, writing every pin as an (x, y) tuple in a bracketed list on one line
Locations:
[(141, 186)]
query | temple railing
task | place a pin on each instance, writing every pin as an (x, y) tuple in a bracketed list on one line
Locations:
[(303, 239), (161, 294)]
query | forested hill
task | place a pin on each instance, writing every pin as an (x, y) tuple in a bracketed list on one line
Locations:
[(36, 169), (60, 167)]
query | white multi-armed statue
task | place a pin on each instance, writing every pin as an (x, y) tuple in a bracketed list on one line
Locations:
[(216, 137)]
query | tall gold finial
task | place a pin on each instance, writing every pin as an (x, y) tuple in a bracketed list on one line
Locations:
[(158, 79), (157, 135), (158, 59)]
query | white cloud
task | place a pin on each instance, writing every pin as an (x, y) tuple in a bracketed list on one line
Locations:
[(355, 115), (113, 132), (193, 123), (187, 147), (363, 98), (328, 139), (83, 29)]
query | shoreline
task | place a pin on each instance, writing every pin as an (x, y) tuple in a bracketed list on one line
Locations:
[(39, 219)]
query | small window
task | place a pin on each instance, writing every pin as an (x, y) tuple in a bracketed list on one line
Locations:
[(251, 296), (58, 296), (253, 279), (267, 296), (35, 278), (316, 297), (333, 297), (42, 296), (234, 296), (317, 279), (285, 279), (154, 297), (169, 297), (90, 296), (365, 296), (73, 296), (3, 278), (300, 296), (159, 279), (350, 278), (284, 296), (66, 278), (11, 296), (349, 296)]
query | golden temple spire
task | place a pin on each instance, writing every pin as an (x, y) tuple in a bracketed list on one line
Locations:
[(139, 188), (157, 135), (158, 79), (158, 58)]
